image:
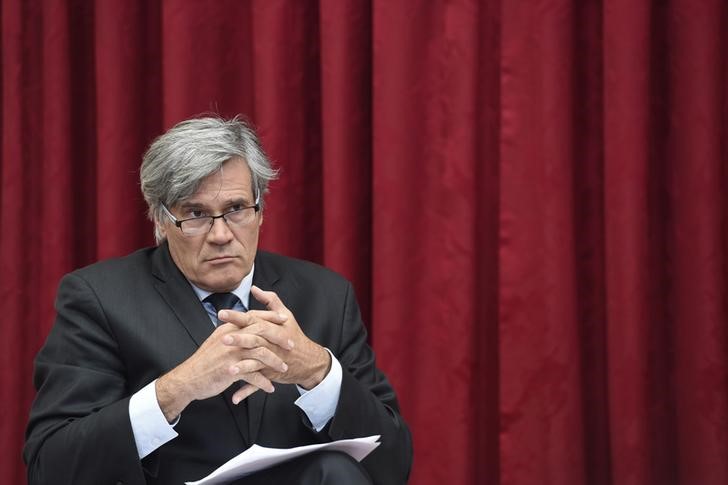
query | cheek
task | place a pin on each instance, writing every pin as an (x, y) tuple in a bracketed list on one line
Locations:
[(183, 253), (249, 239), (252, 239)]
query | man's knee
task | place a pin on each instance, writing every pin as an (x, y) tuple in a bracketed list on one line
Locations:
[(333, 467)]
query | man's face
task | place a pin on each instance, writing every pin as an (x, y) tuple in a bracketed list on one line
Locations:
[(218, 260)]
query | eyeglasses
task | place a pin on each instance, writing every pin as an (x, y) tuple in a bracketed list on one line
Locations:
[(196, 226)]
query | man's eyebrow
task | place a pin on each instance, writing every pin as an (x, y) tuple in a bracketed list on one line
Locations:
[(237, 200), (187, 204)]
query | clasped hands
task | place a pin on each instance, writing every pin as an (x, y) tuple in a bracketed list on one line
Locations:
[(259, 347)]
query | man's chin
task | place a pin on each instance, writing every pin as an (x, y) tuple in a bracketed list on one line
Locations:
[(222, 283)]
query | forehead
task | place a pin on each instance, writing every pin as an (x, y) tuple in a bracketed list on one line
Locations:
[(233, 180)]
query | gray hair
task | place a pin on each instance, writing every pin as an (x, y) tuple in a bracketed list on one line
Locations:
[(176, 163)]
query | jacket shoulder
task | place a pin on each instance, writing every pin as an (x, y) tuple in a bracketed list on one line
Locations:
[(298, 269), (132, 265)]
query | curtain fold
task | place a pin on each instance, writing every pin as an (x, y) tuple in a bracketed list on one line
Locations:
[(345, 36), (529, 197), (126, 59)]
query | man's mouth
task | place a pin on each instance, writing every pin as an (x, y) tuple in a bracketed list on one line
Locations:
[(220, 259)]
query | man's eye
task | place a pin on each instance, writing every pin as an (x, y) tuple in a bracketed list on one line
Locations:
[(197, 213), (236, 207)]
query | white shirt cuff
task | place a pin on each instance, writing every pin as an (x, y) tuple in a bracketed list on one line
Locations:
[(319, 403), (150, 427)]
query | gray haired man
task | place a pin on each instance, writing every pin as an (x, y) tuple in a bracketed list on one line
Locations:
[(164, 364)]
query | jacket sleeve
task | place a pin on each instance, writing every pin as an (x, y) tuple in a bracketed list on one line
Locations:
[(79, 429), (368, 405)]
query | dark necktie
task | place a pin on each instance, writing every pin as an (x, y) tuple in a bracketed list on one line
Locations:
[(222, 301), (226, 301)]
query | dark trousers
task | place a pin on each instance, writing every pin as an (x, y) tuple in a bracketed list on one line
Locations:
[(319, 468)]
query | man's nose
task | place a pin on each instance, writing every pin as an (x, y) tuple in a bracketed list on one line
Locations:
[(220, 232)]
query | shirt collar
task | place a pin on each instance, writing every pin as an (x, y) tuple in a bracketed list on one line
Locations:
[(242, 291)]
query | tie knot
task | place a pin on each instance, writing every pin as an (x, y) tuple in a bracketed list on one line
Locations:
[(222, 301)]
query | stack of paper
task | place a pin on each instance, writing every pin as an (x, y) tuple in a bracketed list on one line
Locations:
[(257, 458)]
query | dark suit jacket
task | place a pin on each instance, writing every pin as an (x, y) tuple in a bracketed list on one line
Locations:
[(122, 323)]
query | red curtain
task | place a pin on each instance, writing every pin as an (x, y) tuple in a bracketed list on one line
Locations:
[(529, 197)]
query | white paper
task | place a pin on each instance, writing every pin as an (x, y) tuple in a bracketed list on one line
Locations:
[(258, 458)]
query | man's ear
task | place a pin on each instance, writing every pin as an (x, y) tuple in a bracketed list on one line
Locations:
[(161, 228)]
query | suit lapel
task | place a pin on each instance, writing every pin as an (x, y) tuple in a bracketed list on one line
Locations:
[(265, 278), (179, 295)]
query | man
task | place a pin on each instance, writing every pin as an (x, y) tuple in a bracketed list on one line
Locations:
[(164, 364)]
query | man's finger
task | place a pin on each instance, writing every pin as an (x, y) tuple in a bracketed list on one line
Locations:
[(269, 299), (255, 359), (244, 340), (258, 380), (244, 319), (272, 333), (243, 393)]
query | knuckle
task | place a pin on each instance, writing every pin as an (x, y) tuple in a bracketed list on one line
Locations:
[(249, 341), (250, 366), (262, 353), (225, 328), (255, 354), (243, 341), (255, 379)]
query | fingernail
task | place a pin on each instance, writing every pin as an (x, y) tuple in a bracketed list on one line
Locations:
[(271, 390), (284, 367), (291, 344), (282, 317), (227, 339), (222, 315), (236, 400), (234, 370)]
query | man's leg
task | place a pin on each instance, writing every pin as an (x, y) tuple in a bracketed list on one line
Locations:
[(319, 468)]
